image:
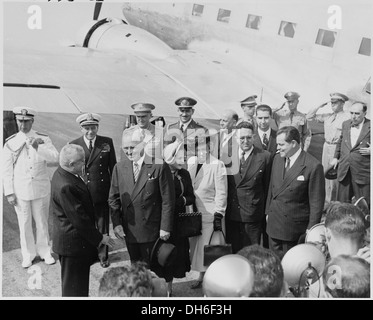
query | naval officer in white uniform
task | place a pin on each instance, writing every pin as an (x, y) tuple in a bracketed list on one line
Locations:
[(27, 184)]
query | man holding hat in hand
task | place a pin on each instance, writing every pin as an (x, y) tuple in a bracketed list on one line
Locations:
[(332, 131), (352, 155), (27, 184), (142, 200), (99, 163)]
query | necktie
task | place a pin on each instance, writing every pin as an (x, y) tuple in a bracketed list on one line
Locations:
[(182, 128), (136, 171), (265, 141), (291, 116), (90, 146), (287, 166), (242, 160)]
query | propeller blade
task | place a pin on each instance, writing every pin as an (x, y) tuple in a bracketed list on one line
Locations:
[(98, 5)]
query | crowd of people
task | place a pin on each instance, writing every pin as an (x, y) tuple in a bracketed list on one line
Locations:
[(253, 181)]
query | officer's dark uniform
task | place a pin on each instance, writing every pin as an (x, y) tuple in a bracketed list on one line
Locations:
[(99, 167)]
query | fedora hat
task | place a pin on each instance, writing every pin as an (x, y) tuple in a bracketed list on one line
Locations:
[(330, 173), (163, 253)]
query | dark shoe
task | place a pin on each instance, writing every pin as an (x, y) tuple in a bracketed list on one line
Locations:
[(196, 285), (105, 264)]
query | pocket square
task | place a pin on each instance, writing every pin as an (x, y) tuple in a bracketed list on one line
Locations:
[(300, 178)]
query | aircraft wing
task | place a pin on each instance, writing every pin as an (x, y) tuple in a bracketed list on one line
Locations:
[(88, 81), (76, 79)]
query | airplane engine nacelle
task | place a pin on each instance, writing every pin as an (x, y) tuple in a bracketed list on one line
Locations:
[(112, 34)]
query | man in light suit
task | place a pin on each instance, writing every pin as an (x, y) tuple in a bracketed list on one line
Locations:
[(99, 163), (292, 117), (296, 192), (227, 142), (245, 210), (75, 236), (27, 184), (352, 155), (186, 129), (248, 107), (151, 136), (142, 199)]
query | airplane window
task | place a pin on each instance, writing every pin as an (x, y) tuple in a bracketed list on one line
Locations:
[(365, 47), (287, 29), (326, 38), (253, 22), (197, 10), (224, 15)]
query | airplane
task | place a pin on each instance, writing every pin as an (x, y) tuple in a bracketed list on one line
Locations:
[(217, 53), (65, 58)]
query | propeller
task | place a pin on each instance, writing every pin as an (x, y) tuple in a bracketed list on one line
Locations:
[(97, 10)]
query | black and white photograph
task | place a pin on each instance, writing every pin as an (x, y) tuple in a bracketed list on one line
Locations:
[(183, 150)]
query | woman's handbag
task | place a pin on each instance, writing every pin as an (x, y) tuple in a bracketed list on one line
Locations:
[(189, 223), (211, 252)]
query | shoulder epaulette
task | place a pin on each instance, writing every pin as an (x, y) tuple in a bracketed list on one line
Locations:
[(171, 124), (41, 134), (12, 136)]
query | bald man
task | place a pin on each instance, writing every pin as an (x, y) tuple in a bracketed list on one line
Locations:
[(352, 155)]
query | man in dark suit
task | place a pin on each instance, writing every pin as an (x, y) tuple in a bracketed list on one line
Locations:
[(265, 139), (352, 155), (75, 237), (99, 163), (296, 192), (142, 199), (266, 136), (245, 209), (186, 129)]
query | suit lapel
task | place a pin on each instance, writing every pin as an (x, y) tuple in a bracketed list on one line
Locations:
[(348, 129), (272, 141), (128, 175), (95, 151), (200, 174), (146, 172), (364, 131), (253, 165), (81, 142), (293, 172)]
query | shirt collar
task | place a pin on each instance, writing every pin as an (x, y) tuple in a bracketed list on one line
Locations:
[(360, 125), (185, 124), (261, 133), (248, 152), (87, 141), (140, 161), (295, 156)]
